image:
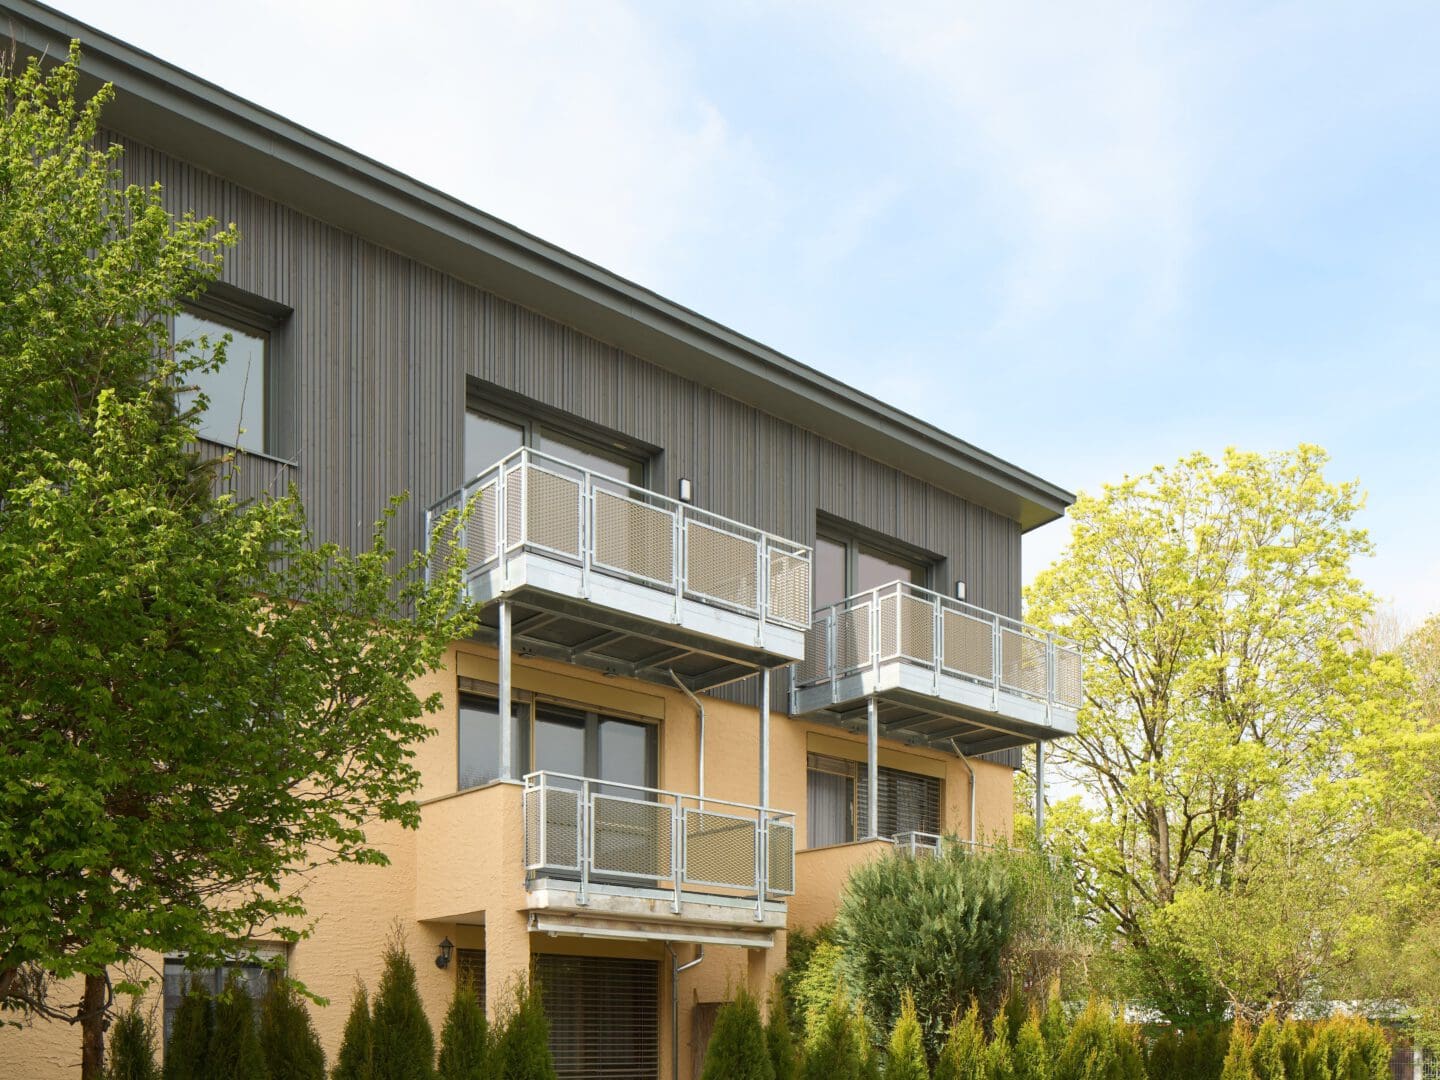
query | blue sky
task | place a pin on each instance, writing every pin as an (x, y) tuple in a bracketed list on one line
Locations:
[(1087, 238)]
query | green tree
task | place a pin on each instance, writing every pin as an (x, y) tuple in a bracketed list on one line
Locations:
[(179, 739), (1237, 1064), (234, 1052), (1100, 1046), (780, 1038), (288, 1041), (356, 1057), (402, 1044), (523, 1047), (132, 1047), (187, 1052), (738, 1049), (962, 1057), (837, 1048), (966, 903), (465, 1047), (1032, 1060), (906, 1058), (1267, 1057), (1218, 612)]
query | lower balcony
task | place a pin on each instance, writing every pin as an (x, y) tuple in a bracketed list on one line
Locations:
[(937, 671)]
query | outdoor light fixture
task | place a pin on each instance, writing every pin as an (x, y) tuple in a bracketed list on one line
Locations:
[(959, 590), (687, 492), (443, 960)]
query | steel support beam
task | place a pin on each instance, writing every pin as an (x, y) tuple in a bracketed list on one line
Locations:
[(765, 738), (507, 748), (872, 769)]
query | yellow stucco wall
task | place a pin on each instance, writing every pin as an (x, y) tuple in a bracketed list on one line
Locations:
[(461, 874)]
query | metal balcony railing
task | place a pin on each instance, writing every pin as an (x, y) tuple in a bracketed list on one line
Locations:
[(599, 832), (530, 501), (903, 622)]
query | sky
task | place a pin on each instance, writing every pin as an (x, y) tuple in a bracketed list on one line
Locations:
[(1087, 238)]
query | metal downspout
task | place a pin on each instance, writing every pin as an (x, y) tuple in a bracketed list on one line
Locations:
[(700, 712), (676, 968), (970, 769), (872, 768)]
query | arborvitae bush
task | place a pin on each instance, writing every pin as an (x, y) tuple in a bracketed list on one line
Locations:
[(1100, 1047), (187, 1053), (780, 1038), (1292, 1049), (1054, 1028), (132, 1047), (522, 1048), (288, 1041), (963, 1055), (999, 1057), (354, 1060), (402, 1042), (1237, 1057), (906, 1059), (1016, 1010), (1267, 1060), (1162, 1055), (1343, 1048), (465, 1047), (836, 1049), (234, 1044), (1031, 1059), (738, 1049)]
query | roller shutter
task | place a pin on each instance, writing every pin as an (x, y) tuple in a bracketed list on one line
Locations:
[(604, 1016)]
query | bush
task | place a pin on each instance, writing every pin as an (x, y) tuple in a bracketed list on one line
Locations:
[(780, 1038), (402, 1044), (1343, 1048), (966, 904), (1100, 1047), (187, 1052), (522, 1047), (962, 1057), (738, 1049), (291, 1049), (132, 1047), (1267, 1059), (465, 1047), (234, 1045), (1237, 1056), (1031, 1059), (354, 1060), (837, 1049), (906, 1060)]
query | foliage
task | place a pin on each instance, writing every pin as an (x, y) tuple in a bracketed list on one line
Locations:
[(1267, 1049), (817, 985), (738, 1048), (291, 1048), (235, 1052), (354, 1062), (1100, 1046), (1236, 1065), (965, 903), (962, 1057), (1031, 1059), (1217, 610), (1345, 1048), (522, 1047), (402, 1044), (800, 949), (465, 1044), (906, 1057), (188, 1051), (837, 1048), (780, 1038), (132, 1047)]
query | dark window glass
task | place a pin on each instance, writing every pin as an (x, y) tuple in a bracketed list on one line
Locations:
[(837, 801), (253, 979), (487, 440), (874, 568), (559, 741), (235, 415), (470, 972), (829, 572), (626, 752), (830, 805), (601, 460), (480, 740)]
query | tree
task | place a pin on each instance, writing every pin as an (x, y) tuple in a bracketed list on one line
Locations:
[(738, 1050), (906, 1059), (234, 1052), (465, 1049), (962, 1057), (187, 1053), (837, 1047), (1032, 1061), (288, 1041), (132, 1047), (1100, 1046), (180, 738), (780, 1038), (402, 1044), (354, 1061), (522, 1049), (1218, 613)]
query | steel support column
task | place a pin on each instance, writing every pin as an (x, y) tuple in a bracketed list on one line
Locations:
[(872, 768), (1039, 792), (765, 739), (507, 747)]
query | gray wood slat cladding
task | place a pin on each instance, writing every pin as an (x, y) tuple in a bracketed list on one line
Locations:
[(380, 347)]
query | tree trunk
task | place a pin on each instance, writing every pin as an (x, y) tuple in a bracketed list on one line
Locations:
[(92, 1028)]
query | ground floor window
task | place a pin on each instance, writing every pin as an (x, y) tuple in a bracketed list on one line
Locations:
[(604, 1016), (253, 978), (838, 801), (470, 971)]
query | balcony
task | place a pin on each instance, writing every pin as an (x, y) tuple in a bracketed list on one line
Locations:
[(939, 671), (605, 859), (602, 573)]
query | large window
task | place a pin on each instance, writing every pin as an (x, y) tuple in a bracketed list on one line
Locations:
[(838, 801), (237, 414), (490, 434), (252, 978), (845, 565)]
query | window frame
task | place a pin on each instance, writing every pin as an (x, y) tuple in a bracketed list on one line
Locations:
[(855, 773), (856, 540)]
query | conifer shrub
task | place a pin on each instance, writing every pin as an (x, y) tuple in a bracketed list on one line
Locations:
[(1031, 1059), (1236, 1065), (354, 1060), (188, 1051), (402, 1043), (1293, 1036), (1054, 1028), (906, 1057), (132, 1047), (288, 1042), (837, 1049), (962, 1057), (785, 1056), (738, 1049), (1100, 1046), (522, 1046), (1267, 1060), (465, 1045), (235, 1052)]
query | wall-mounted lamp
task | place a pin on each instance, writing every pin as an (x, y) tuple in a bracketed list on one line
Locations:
[(443, 960), (687, 490), (959, 590)]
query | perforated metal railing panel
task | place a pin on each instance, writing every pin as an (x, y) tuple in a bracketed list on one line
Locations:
[(917, 629), (1067, 677), (604, 1016), (631, 837), (1023, 662), (721, 565), (789, 587), (852, 638), (552, 507), (889, 624), (780, 856), (719, 849), (481, 537), (969, 645), (444, 545), (515, 506), (634, 538), (816, 664), (555, 814)]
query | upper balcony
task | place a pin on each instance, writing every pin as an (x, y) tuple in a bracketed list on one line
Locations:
[(940, 671), (603, 573)]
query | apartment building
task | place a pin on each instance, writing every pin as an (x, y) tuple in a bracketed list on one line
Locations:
[(744, 627)]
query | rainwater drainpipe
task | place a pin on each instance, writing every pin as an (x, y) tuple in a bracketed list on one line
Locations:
[(675, 970), (966, 762), (700, 712)]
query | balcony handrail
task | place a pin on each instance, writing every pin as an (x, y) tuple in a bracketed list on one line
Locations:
[(507, 537), (871, 649), (664, 848)]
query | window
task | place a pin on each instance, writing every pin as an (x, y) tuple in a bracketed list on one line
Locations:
[(838, 804), (479, 739), (237, 414), (253, 977), (846, 565), (491, 434), (470, 971)]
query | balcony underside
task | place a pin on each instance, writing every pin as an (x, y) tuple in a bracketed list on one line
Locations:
[(617, 911), (917, 706), (624, 627)]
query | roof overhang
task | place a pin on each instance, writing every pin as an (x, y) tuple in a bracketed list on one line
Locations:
[(179, 114)]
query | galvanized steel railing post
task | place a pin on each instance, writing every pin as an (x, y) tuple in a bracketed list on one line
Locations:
[(938, 640), (677, 859), (582, 842)]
